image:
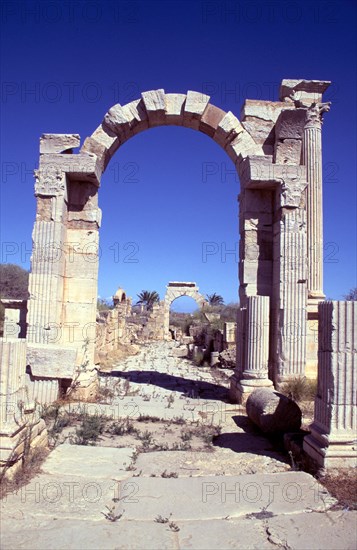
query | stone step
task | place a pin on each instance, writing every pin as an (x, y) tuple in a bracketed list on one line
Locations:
[(334, 530), (145, 498)]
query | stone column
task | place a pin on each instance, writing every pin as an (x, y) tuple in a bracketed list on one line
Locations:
[(312, 159), (253, 373), (333, 440)]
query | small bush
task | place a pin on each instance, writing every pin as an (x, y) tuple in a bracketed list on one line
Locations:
[(146, 438), (90, 430), (186, 435), (122, 427), (208, 433), (300, 389), (148, 418), (166, 474)]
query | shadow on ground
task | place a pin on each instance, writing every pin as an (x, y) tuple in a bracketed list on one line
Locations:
[(252, 440), (195, 389)]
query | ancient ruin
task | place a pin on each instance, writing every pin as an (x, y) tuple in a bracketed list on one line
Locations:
[(176, 290), (276, 149)]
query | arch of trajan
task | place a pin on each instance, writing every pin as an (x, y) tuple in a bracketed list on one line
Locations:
[(276, 149)]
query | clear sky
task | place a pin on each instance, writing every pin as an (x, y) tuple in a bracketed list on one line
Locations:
[(170, 190)]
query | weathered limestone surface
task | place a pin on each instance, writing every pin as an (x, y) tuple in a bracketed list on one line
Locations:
[(51, 361), (255, 357), (273, 412), (305, 90), (58, 143), (20, 425), (333, 433), (156, 107)]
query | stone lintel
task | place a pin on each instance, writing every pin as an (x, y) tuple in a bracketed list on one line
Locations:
[(82, 167), (305, 89), (178, 284), (58, 143), (260, 172), (51, 361), (265, 110)]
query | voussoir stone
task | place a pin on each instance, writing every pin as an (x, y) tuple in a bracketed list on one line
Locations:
[(272, 411)]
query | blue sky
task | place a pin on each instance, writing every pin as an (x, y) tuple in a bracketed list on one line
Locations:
[(170, 190)]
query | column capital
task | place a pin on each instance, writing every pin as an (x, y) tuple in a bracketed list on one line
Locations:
[(50, 182), (314, 114), (292, 194)]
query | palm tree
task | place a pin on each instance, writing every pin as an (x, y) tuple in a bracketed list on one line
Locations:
[(215, 299), (148, 298)]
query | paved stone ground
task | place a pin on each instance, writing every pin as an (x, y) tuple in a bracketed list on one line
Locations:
[(240, 495)]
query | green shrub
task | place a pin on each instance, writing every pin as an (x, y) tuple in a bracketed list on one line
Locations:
[(90, 430)]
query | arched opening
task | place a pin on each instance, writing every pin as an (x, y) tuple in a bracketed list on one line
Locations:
[(272, 221), (181, 316)]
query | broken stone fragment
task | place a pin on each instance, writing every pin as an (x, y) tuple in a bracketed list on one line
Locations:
[(58, 143), (308, 90), (272, 411)]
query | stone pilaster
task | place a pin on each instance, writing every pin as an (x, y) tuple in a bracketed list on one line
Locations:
[(20, 425), (290, 284), (47, 261), (14, 318), (253, 370), (333, 440)]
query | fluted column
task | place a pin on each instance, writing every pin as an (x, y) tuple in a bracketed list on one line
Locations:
[(312, 158), (333, 433), (257, 338), (252, 368)]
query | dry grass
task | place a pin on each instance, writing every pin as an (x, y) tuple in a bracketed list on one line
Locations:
[(30, 467), (299, 389), (342, 484)]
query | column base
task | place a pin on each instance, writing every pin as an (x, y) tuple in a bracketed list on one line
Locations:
[(240, 389), (313, 300), (329, 450)]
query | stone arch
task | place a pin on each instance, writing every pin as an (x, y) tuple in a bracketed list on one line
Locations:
[(176, 289), (157, 108), (275, 151), (119, 296)]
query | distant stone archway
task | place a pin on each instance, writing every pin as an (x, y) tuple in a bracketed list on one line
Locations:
[(176, 290), (276, 150)]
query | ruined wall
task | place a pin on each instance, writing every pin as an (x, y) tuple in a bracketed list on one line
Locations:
[(122, 325), (21, 428)]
